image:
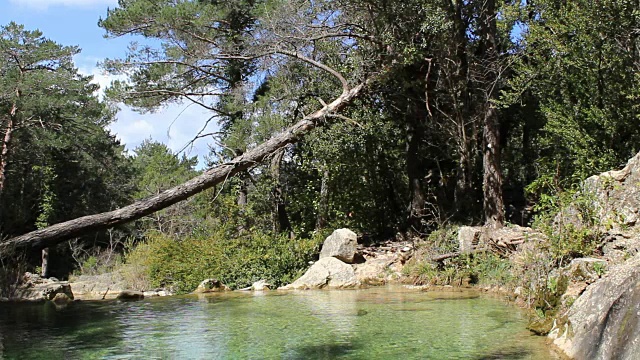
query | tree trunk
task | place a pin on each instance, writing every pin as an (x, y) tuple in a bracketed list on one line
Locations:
[(415, 167), (323, 206), (492, 179), (57, 233), (280, 216), (6, 145), (45, 263), (243, 193)]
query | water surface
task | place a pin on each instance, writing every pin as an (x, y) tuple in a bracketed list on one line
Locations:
[(378, 323)]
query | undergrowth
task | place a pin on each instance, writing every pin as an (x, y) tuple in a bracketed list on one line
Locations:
[(181, 264)]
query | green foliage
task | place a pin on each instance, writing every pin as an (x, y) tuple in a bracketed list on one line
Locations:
[(237, 262), (59, 160), (484, 268), (578, 65), (48, 198), (571, 223)]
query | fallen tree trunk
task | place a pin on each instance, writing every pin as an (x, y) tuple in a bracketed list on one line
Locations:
[(57, 233)]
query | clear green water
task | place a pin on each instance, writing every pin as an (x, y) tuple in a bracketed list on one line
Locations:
[(378, 323)]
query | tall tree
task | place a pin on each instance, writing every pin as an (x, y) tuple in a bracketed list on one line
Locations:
[(33, 68), (492, 176)]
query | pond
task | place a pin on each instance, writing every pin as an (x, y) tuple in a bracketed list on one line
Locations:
[(377, 323)]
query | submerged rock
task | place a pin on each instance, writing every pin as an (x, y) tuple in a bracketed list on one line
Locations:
[(341, 244), (604, 323), (211, 285), (327, 272)]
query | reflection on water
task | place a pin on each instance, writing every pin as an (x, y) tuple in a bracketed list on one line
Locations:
[(379, 323)]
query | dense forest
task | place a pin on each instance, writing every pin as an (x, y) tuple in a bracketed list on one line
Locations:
[(382, 116)]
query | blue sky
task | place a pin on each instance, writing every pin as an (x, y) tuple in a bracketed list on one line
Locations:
[(74, 22)]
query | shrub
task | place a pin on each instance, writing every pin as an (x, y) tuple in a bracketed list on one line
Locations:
[(182, 264), (570, 222)]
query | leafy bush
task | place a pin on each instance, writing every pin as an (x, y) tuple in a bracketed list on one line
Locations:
[(570, 221), (237, 262)]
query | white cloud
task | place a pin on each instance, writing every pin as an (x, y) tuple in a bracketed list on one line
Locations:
[(87, 66), (45, 4), (175, 125)]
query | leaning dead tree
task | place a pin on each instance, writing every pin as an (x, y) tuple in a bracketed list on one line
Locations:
[(58, 233)]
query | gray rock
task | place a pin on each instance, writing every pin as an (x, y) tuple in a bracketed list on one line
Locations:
[(260, 286), (341, 244), (98, 287), (377, 270), (468, 238), (130, 295), (62, 299), (211, 285), (617, 194), (327, 272), (604, 322), (35, 288)]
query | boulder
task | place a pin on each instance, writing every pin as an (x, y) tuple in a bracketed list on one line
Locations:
[(378, 270), (62, 299), (130, 295), (211, 285), (604, 322), (617, 194), (98, 287), (35, 288), (341, 244), (260, 285), (51, 290), (328, 272), (157, 292), (468, 238)]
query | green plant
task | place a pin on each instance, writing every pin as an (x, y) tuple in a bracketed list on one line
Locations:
[(571, 222), (599, 268), (238, 262)]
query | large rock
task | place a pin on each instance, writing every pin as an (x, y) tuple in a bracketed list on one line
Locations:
[(604, 323), (261, 285), (617, 194), (98, 287), (341, 244), (379, 270), (35, 288), (468, 238), (327, 272), (211, 285)]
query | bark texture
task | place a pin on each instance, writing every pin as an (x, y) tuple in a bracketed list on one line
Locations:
[(57, 233), (492, 180)]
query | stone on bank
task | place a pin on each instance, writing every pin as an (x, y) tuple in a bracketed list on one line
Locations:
[(341, 244), (328, 272)]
